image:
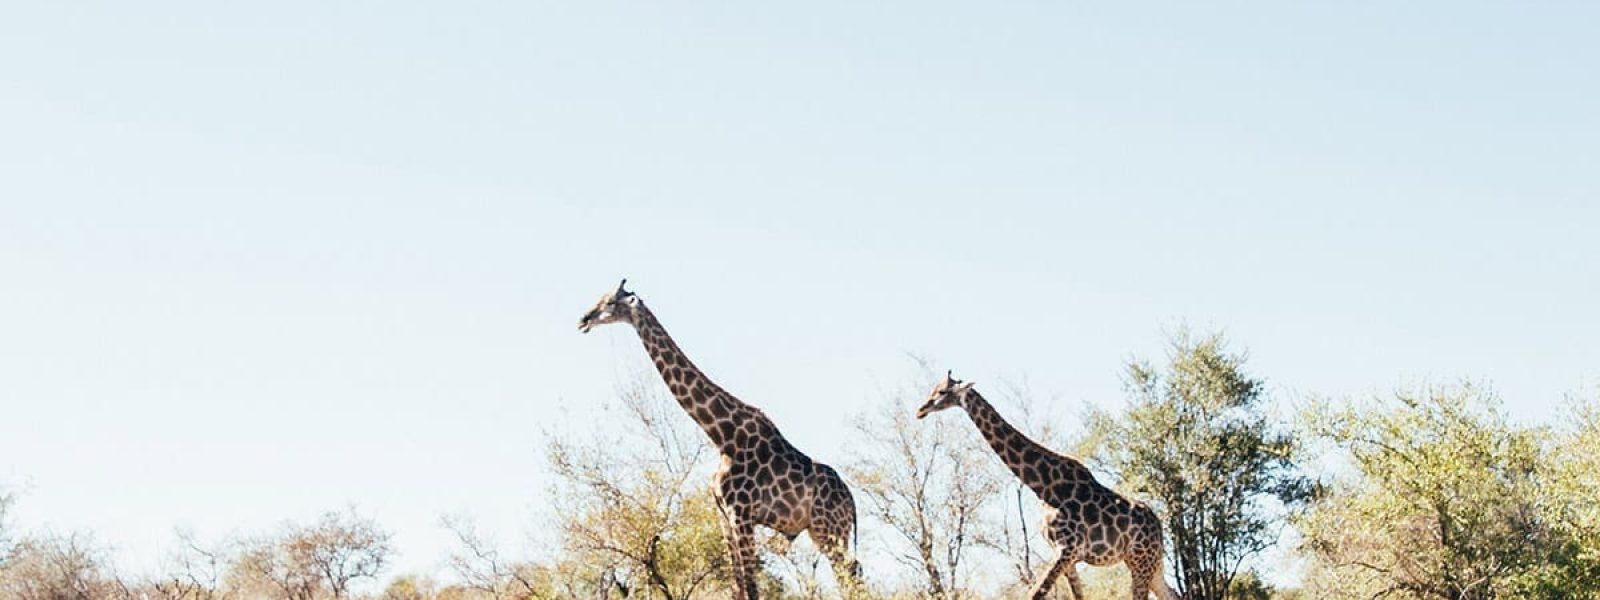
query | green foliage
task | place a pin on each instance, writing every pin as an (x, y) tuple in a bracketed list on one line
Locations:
[(1570, 500), (637, 507), (564, 578), (1109, 582), (1195, 442), (410, 587), (1247, 586), (1452, 501), (671, 553)]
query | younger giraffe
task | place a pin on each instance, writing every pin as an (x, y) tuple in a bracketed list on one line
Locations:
[(763, 479), (1084, 521)]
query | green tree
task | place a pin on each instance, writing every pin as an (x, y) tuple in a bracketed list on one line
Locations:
[(410, 587), (1195, 441), (1444, 502), (635, 505), (1570, 501)]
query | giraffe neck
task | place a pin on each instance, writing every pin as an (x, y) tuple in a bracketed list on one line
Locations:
[(1027, 459), (704, 400)]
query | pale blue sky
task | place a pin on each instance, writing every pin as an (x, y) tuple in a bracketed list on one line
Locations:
[(264, 261)]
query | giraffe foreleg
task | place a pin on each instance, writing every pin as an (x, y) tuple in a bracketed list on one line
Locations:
[(1041, 587), (735, 567), (746, 558), (740, 536)]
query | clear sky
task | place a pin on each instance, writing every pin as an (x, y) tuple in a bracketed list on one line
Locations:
[(259, 261)]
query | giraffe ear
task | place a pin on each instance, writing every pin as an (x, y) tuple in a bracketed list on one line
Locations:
[(964, 387)]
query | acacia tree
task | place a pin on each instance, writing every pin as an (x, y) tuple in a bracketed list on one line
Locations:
[(55, 567), (193, 571), (634, 507), (1449, 501), (343, 548), (303, 562), (929, 484), (1196, 443), (485, 573), (481, 567)]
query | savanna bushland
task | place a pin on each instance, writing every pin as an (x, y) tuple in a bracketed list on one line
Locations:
[(1433, 492)]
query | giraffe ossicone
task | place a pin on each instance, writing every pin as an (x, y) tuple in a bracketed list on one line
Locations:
[(1084, 520), (763, 480)]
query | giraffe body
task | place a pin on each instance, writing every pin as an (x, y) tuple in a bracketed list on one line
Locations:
[(763, 480), (1084, 521)]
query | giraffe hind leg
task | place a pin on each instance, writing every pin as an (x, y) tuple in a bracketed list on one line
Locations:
[(834, 542), (1074, 583), (1140, 572), (1158, 582), (833, 524)]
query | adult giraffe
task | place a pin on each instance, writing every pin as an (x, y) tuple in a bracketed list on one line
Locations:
[(763, 479), (1084, 520)]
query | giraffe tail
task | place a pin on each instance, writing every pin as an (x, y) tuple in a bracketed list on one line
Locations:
[(855, 540), (1158, 582), (855, 529)]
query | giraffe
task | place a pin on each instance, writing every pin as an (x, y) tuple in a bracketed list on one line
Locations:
[(1084, 520), (763, 479)]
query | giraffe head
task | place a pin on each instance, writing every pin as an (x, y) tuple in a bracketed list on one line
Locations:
[(950, 392), (618, 306)]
